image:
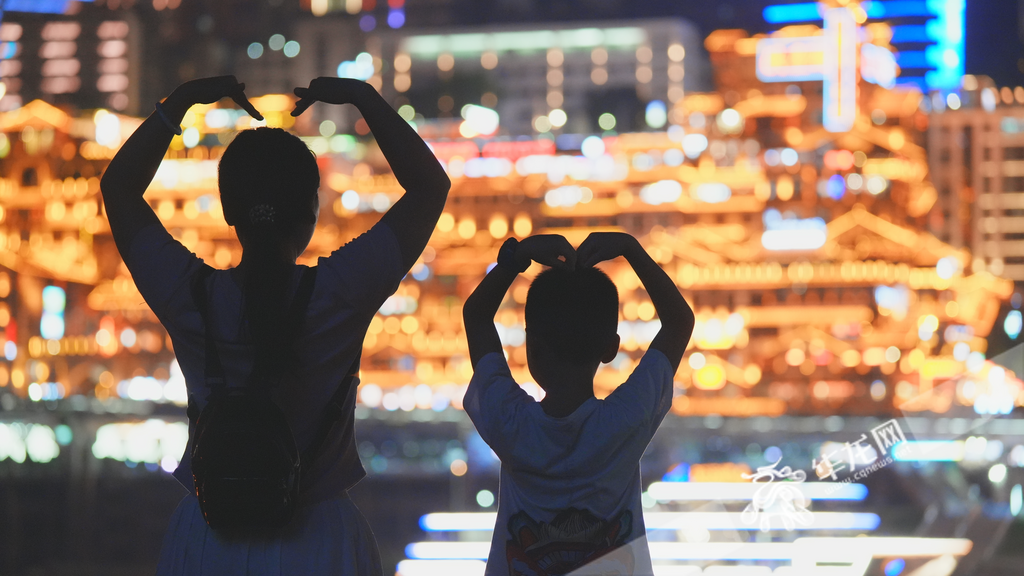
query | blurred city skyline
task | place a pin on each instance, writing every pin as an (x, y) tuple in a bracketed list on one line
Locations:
[(837, 189), (183, 39)]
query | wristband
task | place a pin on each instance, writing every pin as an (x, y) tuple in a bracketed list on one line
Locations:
[(167, 121), (507, 257)]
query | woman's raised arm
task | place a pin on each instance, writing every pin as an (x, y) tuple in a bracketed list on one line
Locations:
[(135, 164), (413, 217)]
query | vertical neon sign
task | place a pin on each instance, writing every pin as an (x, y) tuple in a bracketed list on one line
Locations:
[(831, 58), (947, 54), (840, 70)]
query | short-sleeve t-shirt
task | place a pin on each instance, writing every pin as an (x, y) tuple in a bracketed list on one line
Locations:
[(569, 489), (351, 285)]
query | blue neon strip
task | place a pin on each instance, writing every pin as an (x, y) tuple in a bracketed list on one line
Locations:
[(912, 59), (808, 11), (910, 33), (845, 521), (37, 6), (787, 13), (897, 9)]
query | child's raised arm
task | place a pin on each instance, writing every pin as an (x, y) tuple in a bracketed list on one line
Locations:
[(413, 217), (673, 311), (482, 304), (135, 164)]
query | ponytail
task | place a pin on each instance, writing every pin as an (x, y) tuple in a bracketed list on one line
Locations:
[(266, 279), (268, 182)]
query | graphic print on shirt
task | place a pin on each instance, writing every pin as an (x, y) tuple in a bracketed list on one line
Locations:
[(573, 539)]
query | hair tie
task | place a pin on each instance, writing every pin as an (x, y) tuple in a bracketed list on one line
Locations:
[(175, 128), (262, 214)]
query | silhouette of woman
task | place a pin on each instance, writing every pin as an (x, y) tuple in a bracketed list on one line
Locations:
[(269, 184)]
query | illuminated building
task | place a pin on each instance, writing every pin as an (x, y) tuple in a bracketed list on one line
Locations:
[(801, 248), (976, 156), (78, 58), (560, 78), (823, 302)]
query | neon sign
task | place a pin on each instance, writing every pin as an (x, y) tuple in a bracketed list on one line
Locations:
[(831, 58), (840, 71), (939, 24), (36, 6)]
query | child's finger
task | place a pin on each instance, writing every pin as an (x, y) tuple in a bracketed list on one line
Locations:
[(593, 259), (570, 260), (584, 254)]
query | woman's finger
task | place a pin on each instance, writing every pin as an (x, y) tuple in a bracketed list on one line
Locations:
[(243, 101), (248, 107), (302, 105)]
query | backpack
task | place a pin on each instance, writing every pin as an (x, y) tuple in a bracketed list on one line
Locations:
[(246, 466)]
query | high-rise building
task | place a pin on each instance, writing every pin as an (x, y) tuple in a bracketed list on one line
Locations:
[(557, 78), (89, 57), (976, 157), (547, 78)]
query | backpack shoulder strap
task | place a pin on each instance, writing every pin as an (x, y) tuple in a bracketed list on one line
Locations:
[(214, 371), (332, 413)]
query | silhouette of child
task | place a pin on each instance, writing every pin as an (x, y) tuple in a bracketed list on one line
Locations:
[(570, 476), (269, 184)]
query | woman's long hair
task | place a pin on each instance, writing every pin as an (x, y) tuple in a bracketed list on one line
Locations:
[(268, 182)]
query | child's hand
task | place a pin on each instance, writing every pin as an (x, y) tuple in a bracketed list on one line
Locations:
[(601, 246), (329, 90), (547, 249), (210, 90)]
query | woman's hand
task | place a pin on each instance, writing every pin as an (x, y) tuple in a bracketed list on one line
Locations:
[(210, 90), (331, 91), (548, 249), (601, 246)]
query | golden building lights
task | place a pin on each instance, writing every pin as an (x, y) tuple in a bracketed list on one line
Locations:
[(803, 251)]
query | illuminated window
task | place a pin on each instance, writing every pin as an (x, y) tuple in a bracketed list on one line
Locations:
[(113, 64), (10, 66), (60, 67)]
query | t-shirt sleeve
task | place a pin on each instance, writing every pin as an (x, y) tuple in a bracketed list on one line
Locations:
[(646, 396), (365, 271), (494, 402), (162, 270)]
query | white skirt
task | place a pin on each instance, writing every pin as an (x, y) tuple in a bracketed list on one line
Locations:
[(328, 538)]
